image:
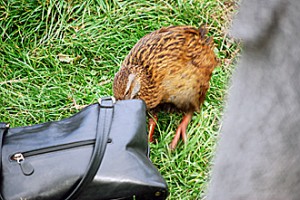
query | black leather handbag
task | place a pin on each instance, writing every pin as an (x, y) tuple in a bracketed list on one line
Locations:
[(99, 153)]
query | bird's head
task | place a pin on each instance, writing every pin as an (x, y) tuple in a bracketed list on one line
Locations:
[(126, 85)]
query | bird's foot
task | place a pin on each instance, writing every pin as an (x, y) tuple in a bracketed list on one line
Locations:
[(152, 125), (181, 131)]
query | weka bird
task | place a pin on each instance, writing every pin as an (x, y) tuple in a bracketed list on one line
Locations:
[(171, 66)]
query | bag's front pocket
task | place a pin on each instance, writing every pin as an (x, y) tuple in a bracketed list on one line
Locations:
[(28, 169)]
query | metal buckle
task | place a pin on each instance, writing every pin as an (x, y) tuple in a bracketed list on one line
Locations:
[(102, 99)]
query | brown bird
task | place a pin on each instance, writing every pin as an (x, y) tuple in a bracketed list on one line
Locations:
[(169, 68)]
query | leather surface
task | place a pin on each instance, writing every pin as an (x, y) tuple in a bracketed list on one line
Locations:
[(103, 128), (125, 169)]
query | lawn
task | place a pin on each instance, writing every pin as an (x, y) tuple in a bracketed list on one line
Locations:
[(57, 55)]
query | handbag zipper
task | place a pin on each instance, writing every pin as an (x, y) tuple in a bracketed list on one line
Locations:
[(27, 168)]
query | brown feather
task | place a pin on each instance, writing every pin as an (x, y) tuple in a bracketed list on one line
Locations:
[(173, 66)]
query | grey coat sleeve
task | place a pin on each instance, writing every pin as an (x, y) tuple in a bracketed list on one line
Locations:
[(258, 156)]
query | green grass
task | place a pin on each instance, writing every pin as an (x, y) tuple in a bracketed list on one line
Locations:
[(55, 53)]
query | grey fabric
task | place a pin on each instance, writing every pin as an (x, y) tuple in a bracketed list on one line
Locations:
[(258, 156)]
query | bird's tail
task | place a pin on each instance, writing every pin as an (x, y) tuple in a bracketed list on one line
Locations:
[(203, 33)]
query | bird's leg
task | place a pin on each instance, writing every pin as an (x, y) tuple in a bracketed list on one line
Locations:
[(152, 125), (181, 130)]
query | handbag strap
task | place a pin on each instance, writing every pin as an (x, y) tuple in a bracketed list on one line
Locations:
[(3, 128), (106, 106)]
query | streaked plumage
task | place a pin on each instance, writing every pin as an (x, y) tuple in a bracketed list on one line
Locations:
[(171, 66)]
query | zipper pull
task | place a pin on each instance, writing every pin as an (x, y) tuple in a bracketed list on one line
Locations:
[(26, 167)]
